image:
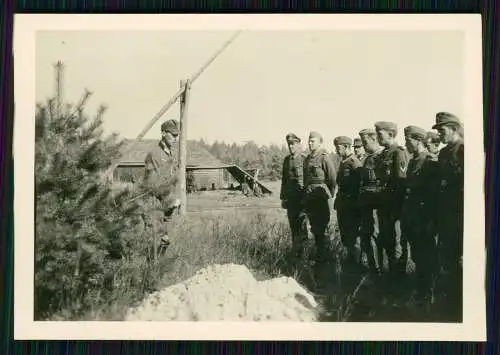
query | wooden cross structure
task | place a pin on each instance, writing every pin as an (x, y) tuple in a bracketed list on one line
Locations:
[(183, 95)]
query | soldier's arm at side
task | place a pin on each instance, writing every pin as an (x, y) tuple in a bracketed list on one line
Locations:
[(330, 174), (149, 166), (400, 168), (284, 178), (460, 158), (152, 174), (357, 171), (433, 186), (400, 165), (304, 171)]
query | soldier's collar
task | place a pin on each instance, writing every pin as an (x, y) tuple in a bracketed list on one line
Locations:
[(457, 142), (421, 154), (319, 151), (347, 157), (164, 147)]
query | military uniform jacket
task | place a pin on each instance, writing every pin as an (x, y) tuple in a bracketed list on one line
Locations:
[(161, 172), (336, 159), (348, 182), (362, 158), (292, 182), (319, 170), (391, 172), (434, 157), (369, 194), (422, 183), (451, 163)]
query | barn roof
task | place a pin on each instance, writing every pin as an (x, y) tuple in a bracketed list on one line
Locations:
[(197, 158), (196, 155)]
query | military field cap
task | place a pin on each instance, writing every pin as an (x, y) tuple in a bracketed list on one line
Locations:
[(290, 138), (171, 126), (314, 134), (433, 136), (443, 118), (357, 142), (367, 132), (342, 140), (386, 126), (415, 133)]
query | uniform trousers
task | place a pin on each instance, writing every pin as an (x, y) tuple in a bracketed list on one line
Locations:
[(450, 251), (318, 212), (348, 220), (417, 226), (297, 220), (387, 238), (369, 230)]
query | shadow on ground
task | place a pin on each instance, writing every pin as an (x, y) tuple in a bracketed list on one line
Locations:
[(359, 296)]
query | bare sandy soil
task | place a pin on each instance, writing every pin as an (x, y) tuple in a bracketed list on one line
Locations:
[(225, 199)]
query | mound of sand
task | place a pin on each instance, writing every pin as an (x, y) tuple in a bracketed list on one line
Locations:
[(230, 293)]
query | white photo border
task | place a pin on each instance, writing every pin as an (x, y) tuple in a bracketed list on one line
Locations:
[(473, 327)]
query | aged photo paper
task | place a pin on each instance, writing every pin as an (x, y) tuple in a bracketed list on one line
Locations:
[(216, 106)]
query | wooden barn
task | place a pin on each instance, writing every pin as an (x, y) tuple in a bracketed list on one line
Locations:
[(131, 167)]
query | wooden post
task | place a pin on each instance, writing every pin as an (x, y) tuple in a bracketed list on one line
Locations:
[(255, 175), (59, 67), (183, 143), (170, 103)]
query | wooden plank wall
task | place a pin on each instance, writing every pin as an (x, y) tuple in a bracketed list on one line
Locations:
[(203, 178)]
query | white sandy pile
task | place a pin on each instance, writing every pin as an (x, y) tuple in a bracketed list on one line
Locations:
[(230, 293)]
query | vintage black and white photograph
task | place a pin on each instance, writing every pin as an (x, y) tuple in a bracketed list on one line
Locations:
[(252, 175)]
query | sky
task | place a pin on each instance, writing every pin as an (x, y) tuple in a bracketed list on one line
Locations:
[(264, 85)]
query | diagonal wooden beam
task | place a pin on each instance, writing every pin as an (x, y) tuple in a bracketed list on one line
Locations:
[(171, 102)]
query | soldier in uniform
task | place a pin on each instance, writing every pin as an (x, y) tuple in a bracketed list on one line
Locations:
[(292, 193), (319, 184), (346, 201), (451, 198), (160, 180), (359, 151), (432, 144), (391, 171), (369, 198), (419, 208), (336, 159)]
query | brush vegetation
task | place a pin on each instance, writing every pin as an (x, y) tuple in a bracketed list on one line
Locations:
[(93, 238)]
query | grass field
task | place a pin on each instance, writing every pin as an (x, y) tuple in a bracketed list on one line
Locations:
[(227, 227), (204, 201)]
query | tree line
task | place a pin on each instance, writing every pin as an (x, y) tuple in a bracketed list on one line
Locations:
[(267, 158)]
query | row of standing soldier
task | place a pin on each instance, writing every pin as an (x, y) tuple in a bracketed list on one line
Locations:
[(418, 190)]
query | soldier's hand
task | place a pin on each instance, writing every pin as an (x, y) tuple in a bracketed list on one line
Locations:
[(177, 203), (283, 204)]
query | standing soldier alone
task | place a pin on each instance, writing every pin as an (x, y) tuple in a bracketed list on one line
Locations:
[(419, 208), (451, 199), (346, 201), (391, 172), (160, 181), (319, 183), (292, 193)]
